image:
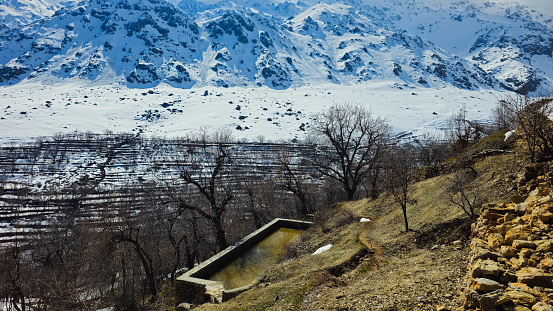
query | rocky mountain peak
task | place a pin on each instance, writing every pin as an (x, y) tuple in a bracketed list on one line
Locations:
[(281, 44)]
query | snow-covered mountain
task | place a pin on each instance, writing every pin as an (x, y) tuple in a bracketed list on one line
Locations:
[(15, 13), (279, 44)]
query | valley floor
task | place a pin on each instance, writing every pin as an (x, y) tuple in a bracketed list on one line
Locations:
[(32, 110)]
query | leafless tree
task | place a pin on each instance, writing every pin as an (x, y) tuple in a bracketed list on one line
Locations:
[(463, 132), (355, 140), (295, 181), (123, 226), (532, 118), (260, 201), (13, 286), (400, 164), (180, 226), (207, 168), (463, 190), (431, 150)]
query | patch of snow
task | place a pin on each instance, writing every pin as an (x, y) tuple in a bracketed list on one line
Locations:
[(322, 249), (509, 134)]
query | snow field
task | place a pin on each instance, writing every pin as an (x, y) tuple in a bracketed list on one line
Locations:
[(29, 111)]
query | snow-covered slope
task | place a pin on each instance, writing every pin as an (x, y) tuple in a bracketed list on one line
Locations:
[(30, 110), (260, 67), (140, 41), (282, 44), (511, 42), (15, 13)]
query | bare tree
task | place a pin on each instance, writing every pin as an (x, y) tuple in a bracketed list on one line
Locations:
[(181, 228), (260, 201), (206, 168), (464, 191), (463, 132), (532, 119), (401, 163), (295, 181), (355, 140), (13, 287), (431, 150), (504, 115), (129, 227)]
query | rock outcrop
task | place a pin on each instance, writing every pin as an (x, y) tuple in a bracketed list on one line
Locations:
[(511, 263)]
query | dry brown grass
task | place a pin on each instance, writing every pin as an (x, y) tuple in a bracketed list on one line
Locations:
[(408, 275)]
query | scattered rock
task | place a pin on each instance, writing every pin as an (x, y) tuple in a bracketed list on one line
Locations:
[(545, 246), (512, 249), (507, 251), (542, 306), (184, 306), (487, 268), (485, 285), (535, 277), (523, 244), (493, 299), (521, 298)]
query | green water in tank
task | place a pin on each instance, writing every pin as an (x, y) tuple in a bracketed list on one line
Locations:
[(257, 260)]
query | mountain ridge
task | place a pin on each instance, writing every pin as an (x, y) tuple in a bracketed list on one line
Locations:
[(282, 44)]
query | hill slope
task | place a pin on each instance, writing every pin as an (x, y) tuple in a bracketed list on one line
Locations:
[(378, 266)]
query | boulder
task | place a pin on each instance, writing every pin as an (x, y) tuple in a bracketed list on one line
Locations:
[(471, 298), (478, 243), (522, 298), (544, 215), (184, 306), (516, 233), (521, 208), (518, 244), (493, 299), (509, 217), (531, 171), (495, 240), (545, 246), (535, 277), (485, 285), (542, 306), (482, 253), (546, 263), (487, 214), (487, 268), (546, 199), (539, 192), (507, 251), (521, 287), (503, 228)]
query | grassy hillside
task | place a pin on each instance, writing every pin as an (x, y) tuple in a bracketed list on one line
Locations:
[(378, 266)]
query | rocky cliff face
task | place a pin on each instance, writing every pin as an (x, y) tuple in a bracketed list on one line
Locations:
[(511, 264)]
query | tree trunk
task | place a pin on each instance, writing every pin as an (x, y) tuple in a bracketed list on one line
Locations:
[(404, 208), (147, 265), (350, 192), (220, 232)]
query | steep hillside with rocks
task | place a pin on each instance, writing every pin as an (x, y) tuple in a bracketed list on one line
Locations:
[(511, 261)]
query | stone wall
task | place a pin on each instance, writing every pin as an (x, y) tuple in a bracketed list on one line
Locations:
[(511, 262)]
